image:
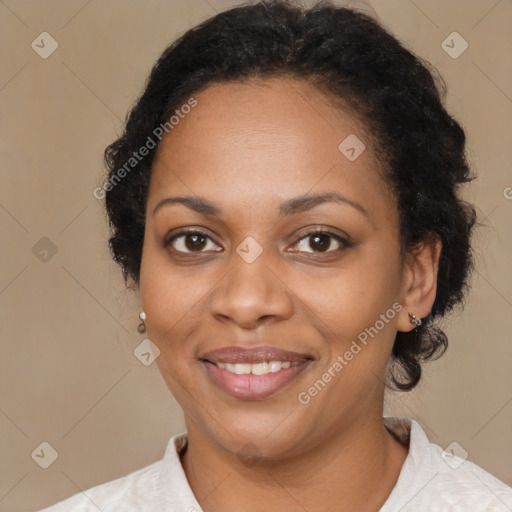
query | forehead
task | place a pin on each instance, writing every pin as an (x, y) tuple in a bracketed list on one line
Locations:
[(263, 115), (265, 140)]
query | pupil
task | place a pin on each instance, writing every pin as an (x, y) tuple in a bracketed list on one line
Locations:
[(198, 242), (321, 245)]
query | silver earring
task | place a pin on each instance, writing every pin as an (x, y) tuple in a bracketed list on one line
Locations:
[(142, 326), (415, 320)]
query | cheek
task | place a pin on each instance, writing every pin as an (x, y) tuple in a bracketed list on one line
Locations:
[(171, 301), (355, 309), (167, 296), (354, 295)]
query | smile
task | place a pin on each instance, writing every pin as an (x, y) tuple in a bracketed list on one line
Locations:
[(253, 381), (257, 369)]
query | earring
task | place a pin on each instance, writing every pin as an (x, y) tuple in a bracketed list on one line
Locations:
[(142, 326), (415, 320)]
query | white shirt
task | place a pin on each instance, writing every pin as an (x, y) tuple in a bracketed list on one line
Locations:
[(430, 481)]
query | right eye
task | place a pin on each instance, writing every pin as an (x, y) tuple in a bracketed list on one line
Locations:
[(188, 242)]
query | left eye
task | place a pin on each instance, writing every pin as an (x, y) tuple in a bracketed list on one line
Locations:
[(320, 241)]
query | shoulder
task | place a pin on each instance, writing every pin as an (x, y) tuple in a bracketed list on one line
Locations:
[(458, 481), (152, 488), (434, 479), (130, 492)]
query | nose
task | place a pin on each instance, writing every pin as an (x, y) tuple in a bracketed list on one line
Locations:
[(250, 294)]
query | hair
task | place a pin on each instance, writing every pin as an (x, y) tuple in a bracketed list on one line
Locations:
[(357, 63)]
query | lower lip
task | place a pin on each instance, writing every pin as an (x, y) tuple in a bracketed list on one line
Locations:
[(249, 386)]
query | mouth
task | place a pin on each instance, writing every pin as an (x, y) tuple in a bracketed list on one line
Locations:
[(253, 374), (262, 368)]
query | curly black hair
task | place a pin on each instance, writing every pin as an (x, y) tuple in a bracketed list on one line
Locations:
[(357, 63)]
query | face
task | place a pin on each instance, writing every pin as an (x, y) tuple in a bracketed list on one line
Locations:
[(251, 269)]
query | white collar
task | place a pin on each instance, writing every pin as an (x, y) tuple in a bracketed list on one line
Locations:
[(176, 494)]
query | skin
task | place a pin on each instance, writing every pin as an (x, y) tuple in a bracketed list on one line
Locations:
[(249, 147)]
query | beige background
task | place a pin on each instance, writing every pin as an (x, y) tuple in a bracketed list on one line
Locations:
[(68, 375)]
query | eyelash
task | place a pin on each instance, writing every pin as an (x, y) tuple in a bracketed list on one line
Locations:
[(317, 231)]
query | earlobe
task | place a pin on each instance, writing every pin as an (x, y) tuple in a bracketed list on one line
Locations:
[(420, 283)]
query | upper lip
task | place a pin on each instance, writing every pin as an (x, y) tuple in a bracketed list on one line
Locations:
[(237, 354)]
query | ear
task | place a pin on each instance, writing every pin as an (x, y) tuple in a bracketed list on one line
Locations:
[(419, 282)]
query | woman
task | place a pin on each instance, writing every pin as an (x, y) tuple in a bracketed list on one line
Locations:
[(285, 199)]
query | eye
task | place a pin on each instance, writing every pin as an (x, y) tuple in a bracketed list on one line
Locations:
[(188, 242), (320, 241), (197, 241)]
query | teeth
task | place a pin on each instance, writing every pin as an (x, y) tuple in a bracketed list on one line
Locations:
[(256, 369), (275, 366)]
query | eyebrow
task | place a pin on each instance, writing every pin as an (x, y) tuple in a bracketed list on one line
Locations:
[(291, 206)]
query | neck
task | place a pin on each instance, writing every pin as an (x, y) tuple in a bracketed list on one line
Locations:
[(354, 468)]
